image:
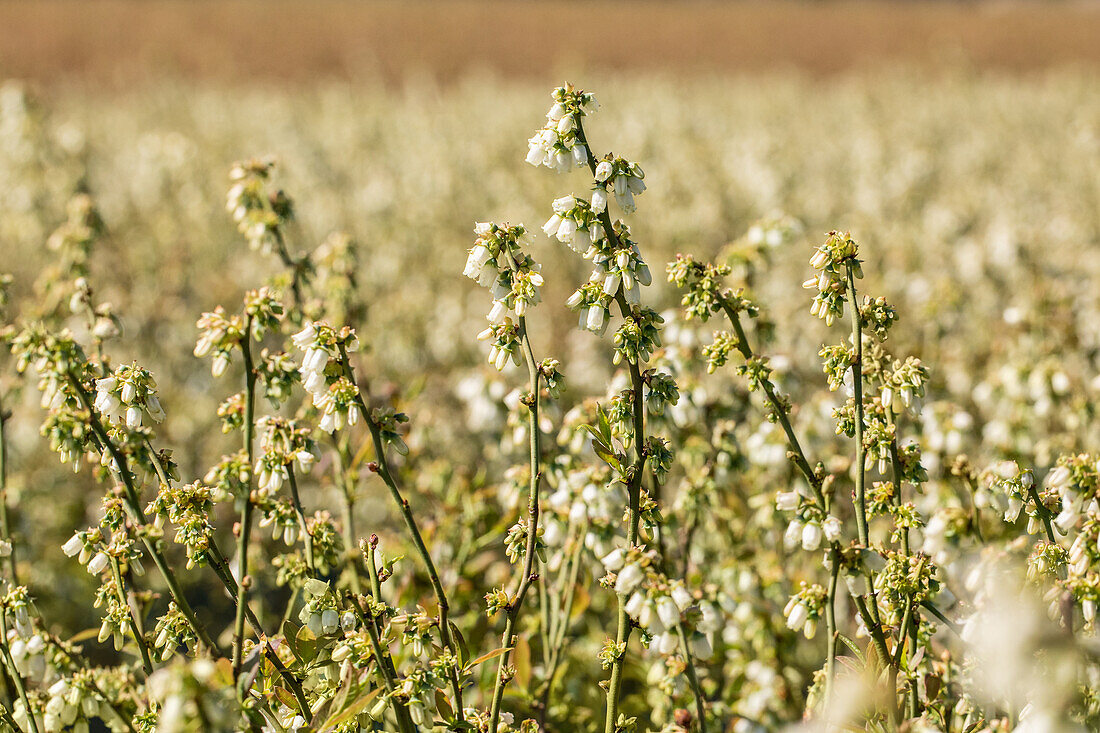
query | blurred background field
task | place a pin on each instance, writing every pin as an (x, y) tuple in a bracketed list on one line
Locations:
[(959, 143), (120, 41)]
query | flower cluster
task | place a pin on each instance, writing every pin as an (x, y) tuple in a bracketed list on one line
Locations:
[(221, 334), (173, 632), (626, 180), (804, 609), (282, 443), (906, 380), (626, 268), (279, 374), (575, 223), (321, 614), (260, 216), (833, 260), (497, 262), (189, 507), (504, 341), (386, 420), (263, 310), (619, 271), (322, 374), (557, 145), (638, 337), (703, 282), (592, 304), (127, 394)]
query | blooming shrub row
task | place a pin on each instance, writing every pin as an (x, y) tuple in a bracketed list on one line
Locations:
[(666, 568)]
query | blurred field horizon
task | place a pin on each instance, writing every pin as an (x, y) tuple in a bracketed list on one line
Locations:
[(120, 43)]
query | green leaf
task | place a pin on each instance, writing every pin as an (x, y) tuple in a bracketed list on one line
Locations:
[(443, 707), (307, 643), (290, 632), (852, 645), (286, 697), (605, 426), (486, 657), (360, 704), (607, 456), (463, 650), (341, 698), (596, 436), (84, 635)]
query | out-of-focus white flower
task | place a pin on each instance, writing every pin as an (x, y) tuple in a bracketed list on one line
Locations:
[(98, 563), (811, 536), (630, 577), (797, 616), (682, 597), (793, 536), (787, 501), (668, 611), (614, 560), (557, 145)]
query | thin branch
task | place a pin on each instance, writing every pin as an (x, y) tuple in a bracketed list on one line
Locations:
[(414, 531)]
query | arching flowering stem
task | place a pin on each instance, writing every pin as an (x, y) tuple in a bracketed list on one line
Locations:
[(857, 390), (245, 527), (298, 268), (693, 679), (373, 594), (410, 523), (341, 461), (385, 665), (262, 218), (126, 598), (706, 296), (5, 526), (623, 626), (911, 620), (634, 514), (527, 574), (307, 537), (558, 630), (220, 564), (779, 408), (13, 671), (498, 262), (133, 506)]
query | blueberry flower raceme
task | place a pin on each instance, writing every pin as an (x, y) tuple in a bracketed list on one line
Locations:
[(127, 394), (575, 223), (625, 270), (220, 335), (625, 179), (556, 145), (586, 226), (831, 260), (260, 216), (498, 262), (322, 376)]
